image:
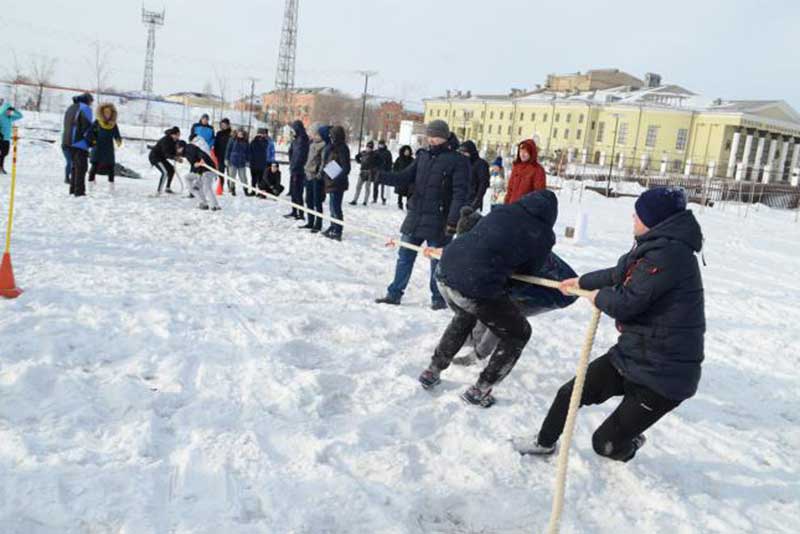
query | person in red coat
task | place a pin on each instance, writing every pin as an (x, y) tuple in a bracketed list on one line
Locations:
[(526, 173)]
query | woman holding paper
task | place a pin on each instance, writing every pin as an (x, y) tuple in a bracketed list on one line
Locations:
[(336, 170)]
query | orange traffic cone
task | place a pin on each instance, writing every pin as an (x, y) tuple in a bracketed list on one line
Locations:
[(8, 287), (219, 187)]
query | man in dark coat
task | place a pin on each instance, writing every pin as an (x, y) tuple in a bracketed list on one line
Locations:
[(370, 165), (474, 277), (221, 145), (298, 157), (440, 177), (385, 159), (479, 175), (77, 135), (335, 186), (655, 294)]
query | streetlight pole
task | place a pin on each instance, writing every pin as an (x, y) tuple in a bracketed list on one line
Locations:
[(366, 74), (250, 116), (613, 149)]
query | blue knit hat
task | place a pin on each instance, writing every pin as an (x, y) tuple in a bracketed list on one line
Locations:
[(498, 162), (656, 205)]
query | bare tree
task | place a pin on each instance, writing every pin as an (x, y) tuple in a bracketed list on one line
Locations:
[(16, 74), (100, 65), (222, 85), (42, 70)]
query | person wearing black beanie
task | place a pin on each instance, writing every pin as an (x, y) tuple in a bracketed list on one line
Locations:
[(163, 151)]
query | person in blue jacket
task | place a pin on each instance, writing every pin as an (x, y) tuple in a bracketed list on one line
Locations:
[(473, 277), (77, 135), (237, 158), (262, 152), (440, 177), (8, 116), (655, 294), (298, 157), (204, 129)]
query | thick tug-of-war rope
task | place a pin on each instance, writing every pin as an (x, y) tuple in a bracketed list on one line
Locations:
[(583, 361)]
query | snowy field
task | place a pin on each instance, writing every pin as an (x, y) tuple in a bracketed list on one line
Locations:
[(169, 370)]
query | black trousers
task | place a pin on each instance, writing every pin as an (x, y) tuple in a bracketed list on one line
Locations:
[(93, 172), (167, 172), (375, 187), (5, 146), (501, 316), (255, 177), (80, 164), (640, 408)]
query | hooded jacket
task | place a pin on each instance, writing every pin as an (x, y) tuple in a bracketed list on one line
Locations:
[(385, 156), (221, 140), (105, 134), (298, 150), (78, 121), (194, 155), (526, 177), (510, 239), (206, 131), (262, 151), (404, 159), (440, 177), (314, 164), (163, 150), (655, 293), (479, 176), (6, 122), (340, 153), (238, 152)]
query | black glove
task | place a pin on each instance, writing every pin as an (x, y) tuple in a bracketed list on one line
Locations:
[(451, 230)]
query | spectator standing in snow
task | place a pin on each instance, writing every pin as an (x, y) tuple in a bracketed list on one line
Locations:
[(298, 157), (404, 159), (497, 181), (385, 158), (221, 145), (370, 165), (336, 186), (315, 186), (262, 152), (237, 158), (655, 294), (200, 179), (8, 116), (479, 175), (77, 135), (526, 173), (440, 177), (105, 135), (204, 130), (163, 151), (474, 276)]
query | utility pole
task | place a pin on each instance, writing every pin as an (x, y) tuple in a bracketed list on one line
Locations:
[(250, 116), (366, 74)]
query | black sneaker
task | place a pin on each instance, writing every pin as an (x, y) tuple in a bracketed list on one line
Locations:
[(306, 227), (216, 208), (439, 305), (316, 230), (169, 191), (353, 203), (388, 300), (478, 397), (335, 237), (430, 378), (290, 216)]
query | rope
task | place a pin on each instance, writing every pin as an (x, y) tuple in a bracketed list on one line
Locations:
[(583, 362)]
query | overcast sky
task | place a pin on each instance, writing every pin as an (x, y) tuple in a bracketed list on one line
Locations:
[(733, 49)]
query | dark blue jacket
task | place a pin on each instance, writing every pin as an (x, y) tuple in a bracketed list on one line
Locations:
[(78, 121), (533, 299), (339, 152), (514, 238), (298, 150), (655, 293), (440, 177), (238, 152), (262, 152)]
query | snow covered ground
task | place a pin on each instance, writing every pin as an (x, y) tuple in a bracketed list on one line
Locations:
[(176, 371)]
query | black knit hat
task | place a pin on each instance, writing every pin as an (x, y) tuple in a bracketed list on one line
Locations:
[(438, 128)]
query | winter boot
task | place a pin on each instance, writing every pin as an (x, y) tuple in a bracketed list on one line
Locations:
[(430, 377), (479, 395), (292, 215), (439, 305), (353, 203), (169, 191), (388, 300), (531, 446), (334, 236), (216, 208), (203, 206)]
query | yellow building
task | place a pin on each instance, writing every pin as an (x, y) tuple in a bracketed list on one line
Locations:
[(200, 100), (658, 129)]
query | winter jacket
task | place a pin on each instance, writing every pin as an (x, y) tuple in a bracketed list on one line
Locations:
[(6, 122), (386, 159), (314, 163), (340, 153), (206, 131), (220, 145), (371, 163), (511, 239), (238, 153), (401, 163), (525, 177), (262, 152), (479, 176), (655, 293), (163, 150), (298, 150), (440, 177), (78, 124), (195, 155), (105, 135)]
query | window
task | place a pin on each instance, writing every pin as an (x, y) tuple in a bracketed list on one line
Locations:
[(594, 123), (555, 133), (545, 117), (533, 117), (483, 115), (566, 133), (491, 115), (680, 142), (519, 130), (569, 117), (558, 117), (652, 135), (601, 130), (490, 128), (509, 129), (502, 113), (622, 134), (676, 164), (578, 134), (580, 118), (521, 117)]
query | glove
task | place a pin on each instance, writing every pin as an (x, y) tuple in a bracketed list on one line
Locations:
[(451, 230)]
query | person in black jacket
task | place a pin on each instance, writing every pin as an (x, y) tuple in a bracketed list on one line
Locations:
[(77, 135), (370, 166), (221, 145), (105, 135), (385, 159), (655, 294), (200, 179), (441, 178), (298, 157), (163, 151), (404, 159), (474, 277), (479, 175), (336, 185)]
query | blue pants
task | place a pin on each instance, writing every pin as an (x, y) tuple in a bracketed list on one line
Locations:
[(335, 199), (315, 197), (405, 266), (68, 163)]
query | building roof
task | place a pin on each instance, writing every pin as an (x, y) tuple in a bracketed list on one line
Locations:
[(192, 94)]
